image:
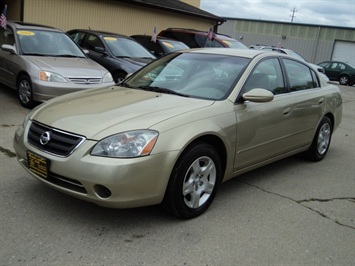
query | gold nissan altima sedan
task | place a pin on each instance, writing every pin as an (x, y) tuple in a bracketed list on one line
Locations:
[(172, 132)]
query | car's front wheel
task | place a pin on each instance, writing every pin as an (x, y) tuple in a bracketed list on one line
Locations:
[(343, 80), (321, 141), (193, 182), (24, 92)]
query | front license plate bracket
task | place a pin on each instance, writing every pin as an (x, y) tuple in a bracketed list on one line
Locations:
[(38, 164)]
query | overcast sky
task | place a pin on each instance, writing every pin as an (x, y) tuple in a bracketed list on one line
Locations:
[(319, 12)]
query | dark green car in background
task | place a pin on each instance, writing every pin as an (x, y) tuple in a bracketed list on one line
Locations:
[(339, 71)]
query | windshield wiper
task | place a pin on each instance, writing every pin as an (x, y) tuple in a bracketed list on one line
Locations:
[(162, 90), (124, 84), (35, 54), (69, 55)]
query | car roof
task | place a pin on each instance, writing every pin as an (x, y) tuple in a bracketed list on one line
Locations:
[(103, 33), (161, 38), (20, 25), (218, 35), (248, 53)]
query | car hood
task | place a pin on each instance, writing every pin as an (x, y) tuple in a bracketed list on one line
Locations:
[(133, 63), (98, 113), (67, 66)]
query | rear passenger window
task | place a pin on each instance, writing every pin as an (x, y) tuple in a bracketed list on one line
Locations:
[(300, 76)]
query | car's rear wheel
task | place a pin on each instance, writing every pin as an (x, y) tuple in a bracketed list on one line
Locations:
[(24, 92), (321, 141), (344, 80), (193, 182)]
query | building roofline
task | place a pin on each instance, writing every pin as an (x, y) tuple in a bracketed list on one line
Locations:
[(176, 7), (289, 23)]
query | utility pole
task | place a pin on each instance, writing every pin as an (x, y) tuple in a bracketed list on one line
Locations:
[(293, 13)]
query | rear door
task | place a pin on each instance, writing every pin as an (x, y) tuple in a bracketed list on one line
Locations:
[(307, 101)]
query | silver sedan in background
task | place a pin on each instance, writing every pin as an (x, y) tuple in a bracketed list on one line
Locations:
[(42, 62)]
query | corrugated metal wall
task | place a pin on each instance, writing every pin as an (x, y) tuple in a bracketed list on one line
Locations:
[(106, 15), (314, 43)]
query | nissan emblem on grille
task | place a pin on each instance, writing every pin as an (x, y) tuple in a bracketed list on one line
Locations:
[(45, 138)]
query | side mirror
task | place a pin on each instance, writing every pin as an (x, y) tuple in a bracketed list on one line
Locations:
[(100, 50), (9, 48), (258, 96)]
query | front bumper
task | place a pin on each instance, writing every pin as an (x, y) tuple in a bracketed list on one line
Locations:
[(132, 182)]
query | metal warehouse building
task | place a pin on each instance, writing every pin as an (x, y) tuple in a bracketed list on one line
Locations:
[(316, 43)]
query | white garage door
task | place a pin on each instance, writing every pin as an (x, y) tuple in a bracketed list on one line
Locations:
[(344, 52)]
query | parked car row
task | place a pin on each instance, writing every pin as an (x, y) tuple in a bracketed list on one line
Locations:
[(42, 62)]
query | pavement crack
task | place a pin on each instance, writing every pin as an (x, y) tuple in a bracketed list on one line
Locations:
[(300, 202), (7, 152), (325, 200)]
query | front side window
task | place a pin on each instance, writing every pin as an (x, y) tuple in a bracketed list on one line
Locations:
[(92, 42), (195, 75), (267, 75), (300, 76)]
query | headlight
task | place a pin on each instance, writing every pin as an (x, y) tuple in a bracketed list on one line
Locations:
[(26, 120), (107, 78), (126, 145), (51, 77)]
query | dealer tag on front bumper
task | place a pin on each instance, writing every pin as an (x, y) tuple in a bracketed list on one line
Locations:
[(38, 164)]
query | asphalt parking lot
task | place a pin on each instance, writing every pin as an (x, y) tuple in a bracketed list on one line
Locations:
[(292, 212)]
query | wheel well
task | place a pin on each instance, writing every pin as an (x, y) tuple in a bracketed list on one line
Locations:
[(216, 143), (19, 75), (331, 117)]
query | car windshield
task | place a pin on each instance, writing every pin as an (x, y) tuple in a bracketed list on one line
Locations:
[(206, 76), (172, 46), (234, 44), (123, 47), (47, 43)]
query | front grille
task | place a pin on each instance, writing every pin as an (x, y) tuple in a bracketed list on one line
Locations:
[(86, 81), (60, 143)]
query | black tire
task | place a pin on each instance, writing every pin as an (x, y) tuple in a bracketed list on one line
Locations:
[(194, 182), (344, 80), (24, 92), (321, 141)]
